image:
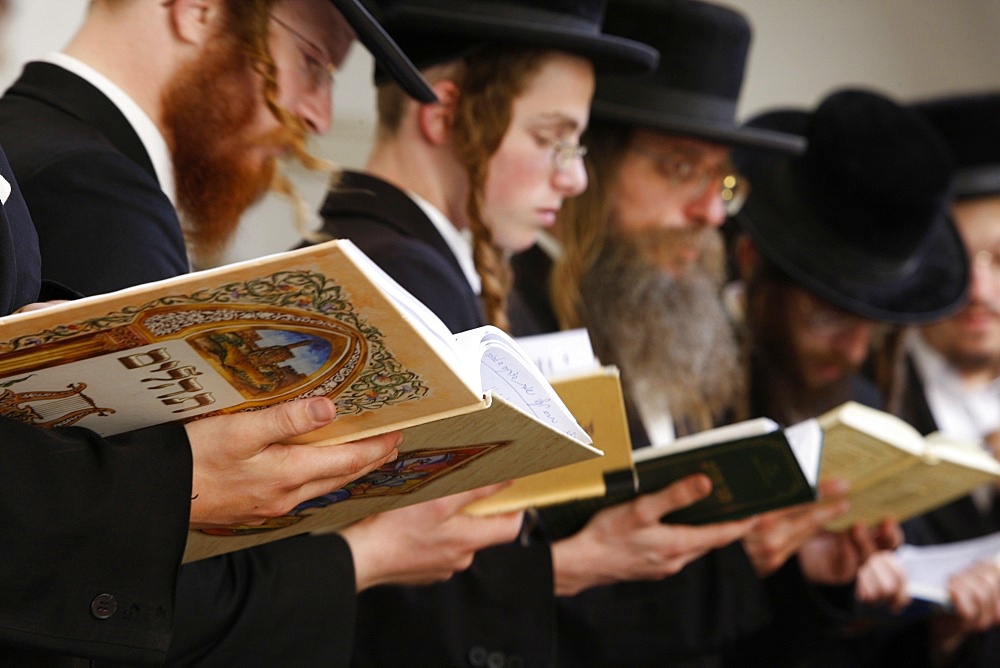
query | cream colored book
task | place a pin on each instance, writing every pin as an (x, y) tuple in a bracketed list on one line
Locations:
[(894, 471), (323, 320)]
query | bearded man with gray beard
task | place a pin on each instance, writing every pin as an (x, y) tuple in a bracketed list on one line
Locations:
[(679, 357)]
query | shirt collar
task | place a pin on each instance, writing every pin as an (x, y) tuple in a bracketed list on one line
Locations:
[(459, 241), (958, 411), (150, 136)]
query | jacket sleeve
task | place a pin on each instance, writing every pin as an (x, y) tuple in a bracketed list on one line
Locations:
[(93, 531), (290, 602)]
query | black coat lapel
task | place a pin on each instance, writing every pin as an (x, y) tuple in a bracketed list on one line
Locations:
[(66, 91)]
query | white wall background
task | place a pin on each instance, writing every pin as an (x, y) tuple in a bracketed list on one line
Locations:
[(802, 49)]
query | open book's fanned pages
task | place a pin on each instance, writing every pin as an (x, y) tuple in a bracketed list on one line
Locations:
[(323, 320), (595, 399), (894, 471)]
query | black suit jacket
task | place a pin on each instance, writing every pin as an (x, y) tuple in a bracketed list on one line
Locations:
[(103, 221), (499, 611), (92, 529), (103, 224)]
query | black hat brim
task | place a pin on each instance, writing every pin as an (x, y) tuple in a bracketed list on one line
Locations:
[(932, 285), (385, 51), (693, 122), (496, 23)]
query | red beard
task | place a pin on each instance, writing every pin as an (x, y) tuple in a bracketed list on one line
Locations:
[(208, 112)]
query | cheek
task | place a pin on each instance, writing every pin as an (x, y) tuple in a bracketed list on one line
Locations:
[(641, 204), (511, 182)]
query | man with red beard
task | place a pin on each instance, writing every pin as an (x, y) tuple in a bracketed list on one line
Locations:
[(190, 103)]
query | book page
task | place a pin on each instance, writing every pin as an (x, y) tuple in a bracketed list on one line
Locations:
[(729, 432), (561, 354), (929, 567), (596, 402), (508, 372), (911, 492), (806, 441), (865, 445)]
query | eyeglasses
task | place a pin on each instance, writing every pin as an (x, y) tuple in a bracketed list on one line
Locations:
[(987, 260), (318, 68), (686, 174), (829, 321), (565, 153)]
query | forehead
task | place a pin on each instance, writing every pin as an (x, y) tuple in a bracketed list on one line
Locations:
[(667, 143), (319, 22), (559, 92), (979, 221)]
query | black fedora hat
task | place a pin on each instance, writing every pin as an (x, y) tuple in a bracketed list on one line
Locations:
[(694, 91), (970, 125), (860, 219), (385, 51), (438, 31)]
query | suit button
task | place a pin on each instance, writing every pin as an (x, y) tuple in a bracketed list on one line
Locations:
[(477, 656), (496, 660), (103, 606)]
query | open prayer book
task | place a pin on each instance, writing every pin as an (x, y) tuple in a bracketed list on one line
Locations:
[(323, 320), (894, 471)]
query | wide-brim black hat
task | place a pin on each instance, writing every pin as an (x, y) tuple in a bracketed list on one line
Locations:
[(970, 126), (438, 31), (860, 219), (695, 90), (385, 51)]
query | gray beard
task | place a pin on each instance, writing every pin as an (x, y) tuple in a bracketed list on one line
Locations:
[(669, 335)]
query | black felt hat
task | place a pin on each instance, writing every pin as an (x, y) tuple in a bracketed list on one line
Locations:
[(385, 51), (970, 125), (438, 31), (695, 90), (860, 219)]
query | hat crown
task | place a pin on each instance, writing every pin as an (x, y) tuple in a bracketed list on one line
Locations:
[(703, 47), (970, 126), (440, 31), (860, 218), (879, 174), (589, 13), (695, 90)]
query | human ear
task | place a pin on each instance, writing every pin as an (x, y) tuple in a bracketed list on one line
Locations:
[(193, 21), (435, 119)]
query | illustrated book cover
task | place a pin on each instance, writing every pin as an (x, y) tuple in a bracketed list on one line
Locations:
[(323, 320)]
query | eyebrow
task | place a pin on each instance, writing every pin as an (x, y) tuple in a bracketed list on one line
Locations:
[(558, 119), (298, 33)]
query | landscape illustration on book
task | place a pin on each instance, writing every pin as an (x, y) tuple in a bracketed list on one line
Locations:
[(238, 346)]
